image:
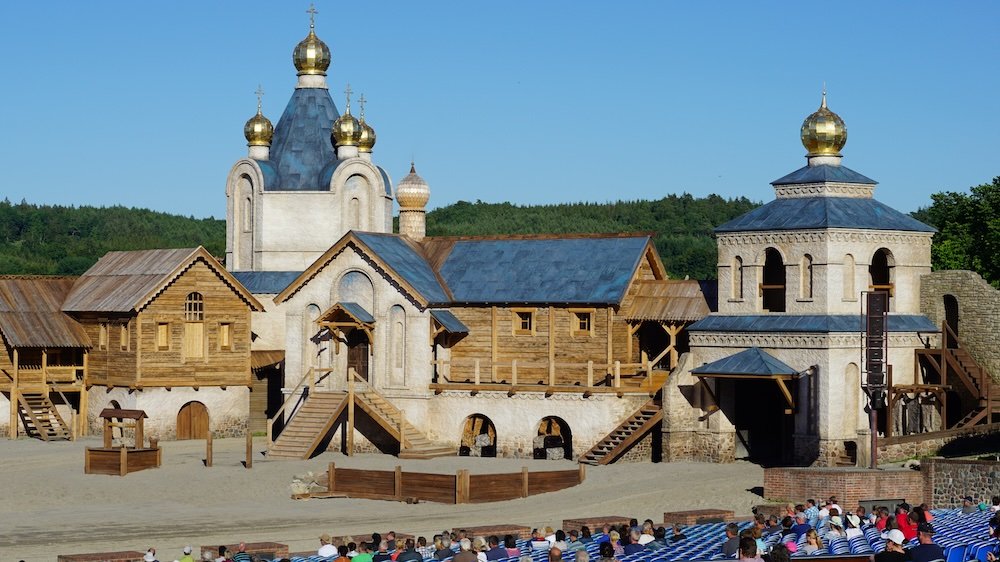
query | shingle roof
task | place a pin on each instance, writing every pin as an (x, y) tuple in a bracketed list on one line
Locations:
[(677, 300), (449, 321), (31, 316), (403, 257), (803, 213), (823, 173), (301, 146), (817, 323), (750, 362), (357, 311), (266, 282), (127, 281)]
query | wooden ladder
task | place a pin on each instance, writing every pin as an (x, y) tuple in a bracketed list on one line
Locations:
[(41, 419), (629, 432), (413, 444), (309, 426)]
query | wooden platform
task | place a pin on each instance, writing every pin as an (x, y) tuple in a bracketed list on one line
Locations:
[(518, 531), (594, 523), (119, 461), (124, 556), (698, 516)]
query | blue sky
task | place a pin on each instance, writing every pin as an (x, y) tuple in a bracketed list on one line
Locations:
[(143, 103)]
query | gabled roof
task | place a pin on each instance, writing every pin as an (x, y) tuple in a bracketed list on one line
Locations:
[(128, 281), (301, 145), (449, 321), (542, 269), (31, 316), (266, 282), (671, 300), (354, 310), (804, 213), (823, 173), (814, 323), (753, 362)]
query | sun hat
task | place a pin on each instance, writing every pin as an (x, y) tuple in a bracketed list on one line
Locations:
[(896, 536)]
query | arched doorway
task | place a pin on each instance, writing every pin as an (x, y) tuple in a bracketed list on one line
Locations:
[(951, 318), (192, 421), (553, 433), (880, 272), (773, 287), (479, 437), (357, 352)]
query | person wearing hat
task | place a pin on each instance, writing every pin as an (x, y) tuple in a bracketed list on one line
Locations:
[(150, 555), (326, 549), (836, 528), (853, 528), (893, 552), (926, 551), (187, 555), (969, 505)]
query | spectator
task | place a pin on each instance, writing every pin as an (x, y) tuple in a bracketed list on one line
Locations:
[(836, 528), (780, 553), (994, 504), (772, 525), (465, 553), (748, 550), (606, 551), (786, 528), (150, 555), (659, 539), (616, 545), (352, 549), (801, 527), (585, 537), (732, 543), (647, 533), (223, 554), (812, 512), (399, 548), (928, 516), (633, 546), (444, 550), (550, 535), (496, 552), (574, 544), (364, 553), (555, 555), (511, 546), (326, 550), (187, 555), (758, 537), (908, 525), (969, 505), (479, 547), (605, 535), (812, 542), (831, 504), (383, 552), (853, 526), (424, 550), (560, 541), (581, 556), (633, 525), (881, 519), (342, 554), (893, 548), (926, 551), (677, 535), (409, 553), (241, 553)]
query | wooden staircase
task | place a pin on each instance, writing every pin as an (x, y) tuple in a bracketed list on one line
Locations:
[(310, 424), (413, 444), (630, 431), (41, 419)]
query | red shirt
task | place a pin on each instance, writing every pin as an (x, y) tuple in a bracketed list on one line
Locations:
[(880, 523), (909, 530)]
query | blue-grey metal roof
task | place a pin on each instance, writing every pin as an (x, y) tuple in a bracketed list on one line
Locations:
[(385, 180), (266, 282), (269, 171), (449, 321), (823, 173), (749, 362), (301, 145), (588, 270), (800, 213), (398, 254), (357, 311), (817, 323)]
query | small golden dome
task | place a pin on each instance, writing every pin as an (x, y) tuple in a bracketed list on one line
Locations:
[(346, 130), (258, 129), (824, 132), (412, 192), (311, 55), (367, 140)]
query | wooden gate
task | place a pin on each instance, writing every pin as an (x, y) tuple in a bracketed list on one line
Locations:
[(192, 421), (357, 353)]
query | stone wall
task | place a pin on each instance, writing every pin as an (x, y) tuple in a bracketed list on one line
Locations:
[(702, 445), (850, 485), (978, 309), (947, 481), (642, 451)]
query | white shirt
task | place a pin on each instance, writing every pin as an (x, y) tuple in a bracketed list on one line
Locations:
[(326, 551), (645, 539)]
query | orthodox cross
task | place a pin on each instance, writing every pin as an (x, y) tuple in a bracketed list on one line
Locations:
[(361, 102), (348, 91), (260, 94), (312, 11)]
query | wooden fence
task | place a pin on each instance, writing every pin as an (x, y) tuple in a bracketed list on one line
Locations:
[(461, 487)]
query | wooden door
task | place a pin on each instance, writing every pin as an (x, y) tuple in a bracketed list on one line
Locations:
[(357, 353), (192, 421)]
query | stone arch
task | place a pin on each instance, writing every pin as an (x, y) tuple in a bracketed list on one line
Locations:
[(397, 346), (951, 316), (479, 437), (849, 278), (553, 433), (773, 281), (357, 287), (806, 277), (192, 421), (737, 278), (881, 272), (357, 191)]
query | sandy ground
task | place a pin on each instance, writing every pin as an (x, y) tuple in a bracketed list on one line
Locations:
[(50, 507)]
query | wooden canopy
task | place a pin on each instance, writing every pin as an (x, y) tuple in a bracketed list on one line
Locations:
[(119, 413)]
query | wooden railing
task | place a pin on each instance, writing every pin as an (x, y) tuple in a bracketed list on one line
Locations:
[(354, 380), (600, 377), (309, 381)]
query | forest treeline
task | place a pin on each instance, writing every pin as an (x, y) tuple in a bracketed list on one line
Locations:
[(53, 239)]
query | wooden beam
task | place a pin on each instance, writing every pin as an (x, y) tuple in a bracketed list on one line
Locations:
[(611, 323), (493, 343), (14, 391), (350, 412), (45, 371), (787, 394), (552, 346)]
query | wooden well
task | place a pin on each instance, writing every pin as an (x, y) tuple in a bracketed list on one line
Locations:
[(124, 459)]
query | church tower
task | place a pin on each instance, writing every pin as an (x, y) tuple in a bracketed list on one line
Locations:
[(306, 181)]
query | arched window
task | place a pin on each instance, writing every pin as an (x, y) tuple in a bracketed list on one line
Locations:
[(848, 281), (194, 327), (553, 433), (355, 214), (356, 287), (479, 437), (880, 272), (806, 277), (737, 273), (194, 307), (247, 214), (773, 287), (397, 345)]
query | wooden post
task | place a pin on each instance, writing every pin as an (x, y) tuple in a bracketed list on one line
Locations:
[(888, 409), (249, 463), (402, 428), (397, 483), (590, 374), (72, 425), (208, 450), (477, 371), (462, 486), (582, 475), (524, 482), (513, 372), (122, 461), (618, 374), (14, 400), (331, 478), (552, 346), (139, 437), (107, 433), (45, 372), (350, 412), (644, 360), (84, 401), (493, 343), (611, 322), (270, 430)]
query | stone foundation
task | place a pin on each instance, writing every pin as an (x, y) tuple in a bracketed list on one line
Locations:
[(698, 516), (125, 556), (947, 481), (850, 485), (594, 523), (641, 451), (700, 446)]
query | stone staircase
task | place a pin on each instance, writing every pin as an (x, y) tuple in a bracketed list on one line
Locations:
[(630, 431), (41, 419), (414, 444), (310, 424)]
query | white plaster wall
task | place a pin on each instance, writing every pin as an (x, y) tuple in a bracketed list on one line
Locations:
[(227, 409)]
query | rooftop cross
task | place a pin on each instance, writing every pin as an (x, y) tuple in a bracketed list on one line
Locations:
[(824, 95), (348, 91), (260, 94), (361, 103), (312, 11)]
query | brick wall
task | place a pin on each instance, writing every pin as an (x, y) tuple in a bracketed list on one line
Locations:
[(850, 485), (126, 556), (946, 481)]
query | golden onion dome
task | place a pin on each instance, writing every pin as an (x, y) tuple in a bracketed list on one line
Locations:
[(311, 55), (412, 192), (258, 129), (824, 132), (346, 130), (367, 140)]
